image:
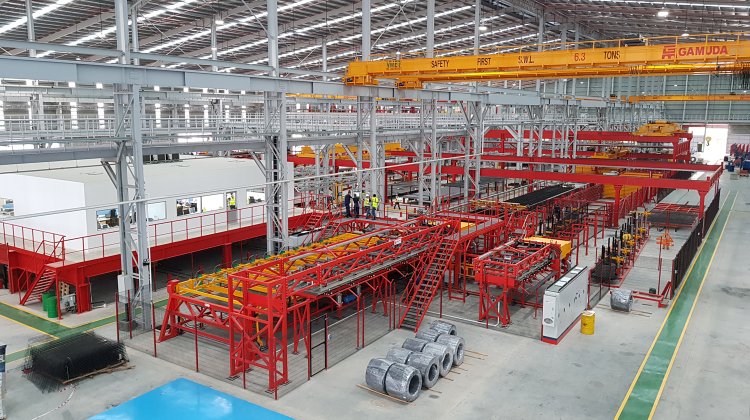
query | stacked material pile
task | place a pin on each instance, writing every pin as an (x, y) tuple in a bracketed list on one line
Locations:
[(418, 363)]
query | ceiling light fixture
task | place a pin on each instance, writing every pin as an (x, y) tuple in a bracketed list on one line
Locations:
[(663, 13), (219, 21), (482, 28), (685, 34)]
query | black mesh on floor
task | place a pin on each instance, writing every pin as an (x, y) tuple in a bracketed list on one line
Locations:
[(55, 363), (603, 273)]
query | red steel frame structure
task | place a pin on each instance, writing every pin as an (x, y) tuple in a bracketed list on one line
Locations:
[(680, 141), (266, 300), (513, 266)]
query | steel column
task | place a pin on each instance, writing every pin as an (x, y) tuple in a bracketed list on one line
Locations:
[(324, 64), (30, 33), (121, 30), (135, 39), (366, 29), (427, 115), (272, 29), (477, 24), (214, 47), (135, 258), (277, 201), (540, 41), (377, 155), (430, 28)]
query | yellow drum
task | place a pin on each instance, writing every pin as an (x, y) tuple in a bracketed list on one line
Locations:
[(588, 319)]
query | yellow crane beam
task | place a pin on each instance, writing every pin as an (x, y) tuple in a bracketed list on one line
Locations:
[(688, 98), (673, 56)]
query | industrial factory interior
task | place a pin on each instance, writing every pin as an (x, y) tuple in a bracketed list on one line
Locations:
[(374, 209)]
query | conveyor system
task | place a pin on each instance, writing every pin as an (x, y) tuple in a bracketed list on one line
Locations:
[(541, 195)]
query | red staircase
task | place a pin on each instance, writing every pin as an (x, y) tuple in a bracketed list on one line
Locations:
[(421, 295), (330, 230), (43, 282), (314, 221), (45, 277)]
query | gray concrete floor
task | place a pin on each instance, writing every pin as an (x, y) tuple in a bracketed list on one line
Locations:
[(710, 375), (509, 376)]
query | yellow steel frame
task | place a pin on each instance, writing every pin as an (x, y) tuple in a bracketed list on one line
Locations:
[(660, 56), (688, 98), (214, 286)]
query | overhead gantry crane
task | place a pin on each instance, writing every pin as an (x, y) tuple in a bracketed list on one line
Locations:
[(699, 54)]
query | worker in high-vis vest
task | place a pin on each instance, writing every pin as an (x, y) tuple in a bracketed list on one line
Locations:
[(232, 202), (375, 201), (366, 206)]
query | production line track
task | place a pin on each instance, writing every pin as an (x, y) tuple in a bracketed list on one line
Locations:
[(539, 196)]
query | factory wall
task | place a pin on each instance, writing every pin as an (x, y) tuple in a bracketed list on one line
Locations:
[(185, 179), (33, 195)]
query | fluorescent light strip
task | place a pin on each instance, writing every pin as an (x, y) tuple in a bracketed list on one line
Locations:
[(676, 3), (511, 28), (400, 40), (39, 13), (339, 20), (112, 29)]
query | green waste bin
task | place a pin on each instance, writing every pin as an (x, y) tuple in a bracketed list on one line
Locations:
[(52, 307), (45, 299)]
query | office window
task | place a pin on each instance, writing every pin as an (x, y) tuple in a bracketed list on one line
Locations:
[(156, 211), (107, 219), (187, 206), (255, 197), (6, 207), (212, 202)]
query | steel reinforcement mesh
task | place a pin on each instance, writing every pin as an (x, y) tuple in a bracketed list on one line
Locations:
[(55, 363), (672, 218)]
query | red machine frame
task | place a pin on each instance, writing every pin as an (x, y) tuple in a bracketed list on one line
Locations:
[(249, 316), (513, 266)]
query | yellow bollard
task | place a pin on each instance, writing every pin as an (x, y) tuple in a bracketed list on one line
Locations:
[(588, 319)]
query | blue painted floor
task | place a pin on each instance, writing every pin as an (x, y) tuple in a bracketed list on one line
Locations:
[(186, 400)]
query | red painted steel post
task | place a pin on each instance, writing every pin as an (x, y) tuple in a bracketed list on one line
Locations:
[(227, 255), (153, 325), (195, 333), (244, 368), (616, 210)]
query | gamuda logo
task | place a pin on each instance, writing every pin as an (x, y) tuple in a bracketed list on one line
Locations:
[(672, 51)]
